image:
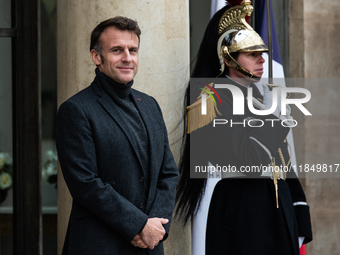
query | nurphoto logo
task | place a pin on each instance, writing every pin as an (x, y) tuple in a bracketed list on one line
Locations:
[(238, 99)]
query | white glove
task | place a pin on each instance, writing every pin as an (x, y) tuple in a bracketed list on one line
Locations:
[(289, 119), (268, 99), (257, 104)]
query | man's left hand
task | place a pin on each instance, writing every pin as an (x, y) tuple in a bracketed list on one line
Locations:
[(138, 242)]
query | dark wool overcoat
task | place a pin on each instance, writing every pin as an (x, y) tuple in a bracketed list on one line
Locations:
[(103, 171)]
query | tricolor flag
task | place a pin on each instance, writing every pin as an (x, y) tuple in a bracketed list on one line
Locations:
[(262, 29)]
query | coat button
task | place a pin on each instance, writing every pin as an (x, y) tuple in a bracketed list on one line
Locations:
[(141, 205), (141, 179)]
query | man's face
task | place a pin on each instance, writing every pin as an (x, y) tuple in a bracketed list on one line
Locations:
[(120, 55), (252, 61)]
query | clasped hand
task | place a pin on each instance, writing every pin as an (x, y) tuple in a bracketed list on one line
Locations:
[(152, 233)]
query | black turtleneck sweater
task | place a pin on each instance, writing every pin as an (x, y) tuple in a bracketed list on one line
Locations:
[(121, 95)]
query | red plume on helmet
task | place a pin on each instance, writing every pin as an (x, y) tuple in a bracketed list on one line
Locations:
[(234, 3)]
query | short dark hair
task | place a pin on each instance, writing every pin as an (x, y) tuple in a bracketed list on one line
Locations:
[(119, 22)]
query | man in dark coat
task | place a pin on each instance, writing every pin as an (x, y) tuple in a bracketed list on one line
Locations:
[(114, 154)]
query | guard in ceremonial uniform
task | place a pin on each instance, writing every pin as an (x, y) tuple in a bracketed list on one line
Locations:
[(251, 212)]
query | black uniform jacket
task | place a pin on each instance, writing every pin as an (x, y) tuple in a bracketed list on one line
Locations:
[(243, 218), (103, 171)]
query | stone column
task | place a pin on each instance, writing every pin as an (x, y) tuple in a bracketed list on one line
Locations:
[(314, 54), (163, 71)]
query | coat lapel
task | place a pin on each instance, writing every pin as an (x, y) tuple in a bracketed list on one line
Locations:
[(147, 112), (109, 105)]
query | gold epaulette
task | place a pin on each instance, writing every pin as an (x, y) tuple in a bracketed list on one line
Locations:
[(195, 118)]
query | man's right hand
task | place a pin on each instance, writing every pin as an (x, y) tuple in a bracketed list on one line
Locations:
[(153, 232)]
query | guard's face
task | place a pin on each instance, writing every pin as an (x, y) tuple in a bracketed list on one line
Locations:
[(120, 55), (252, 61)]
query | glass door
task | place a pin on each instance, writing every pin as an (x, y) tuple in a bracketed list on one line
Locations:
[(21, 214), (6, 143), (48, 16)]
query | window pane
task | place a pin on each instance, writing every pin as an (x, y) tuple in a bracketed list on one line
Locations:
[(48, 112), (6, 227), (5, 13)]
